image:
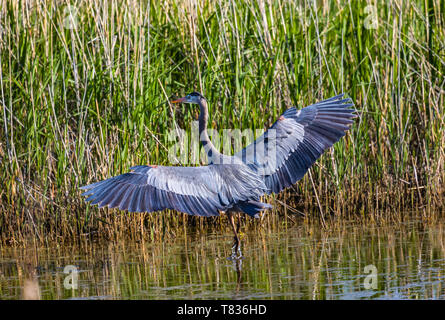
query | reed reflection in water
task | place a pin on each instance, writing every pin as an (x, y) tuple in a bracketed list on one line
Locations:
[(299, 262)]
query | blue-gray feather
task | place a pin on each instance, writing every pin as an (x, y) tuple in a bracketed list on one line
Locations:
[(300, 137)]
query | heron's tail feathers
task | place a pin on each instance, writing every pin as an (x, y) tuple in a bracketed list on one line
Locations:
[(253, 208)]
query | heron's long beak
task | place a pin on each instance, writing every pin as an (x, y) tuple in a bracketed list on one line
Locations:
[(178, 100)]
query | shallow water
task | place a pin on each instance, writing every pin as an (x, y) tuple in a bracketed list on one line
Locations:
[(299, 262)]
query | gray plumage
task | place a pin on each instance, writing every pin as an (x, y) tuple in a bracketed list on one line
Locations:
[(300, 137), (276, 160)]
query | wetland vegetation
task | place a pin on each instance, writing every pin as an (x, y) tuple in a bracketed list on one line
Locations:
[(84, 84)]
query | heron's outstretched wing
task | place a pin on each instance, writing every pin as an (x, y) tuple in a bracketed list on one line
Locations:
[(193, 190), (284, 153)]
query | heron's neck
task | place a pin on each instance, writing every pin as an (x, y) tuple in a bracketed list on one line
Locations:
[(209, 148)]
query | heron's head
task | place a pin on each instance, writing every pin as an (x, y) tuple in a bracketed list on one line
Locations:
[(193, 98)]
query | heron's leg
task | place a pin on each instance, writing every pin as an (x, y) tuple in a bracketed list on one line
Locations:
[(238, 226), (236, 241)]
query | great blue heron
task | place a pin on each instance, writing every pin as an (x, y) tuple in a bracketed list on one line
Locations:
[(275, 161)]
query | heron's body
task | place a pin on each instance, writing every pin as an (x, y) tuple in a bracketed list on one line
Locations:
[(275, 161), (202, 191)]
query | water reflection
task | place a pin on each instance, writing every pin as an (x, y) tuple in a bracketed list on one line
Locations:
[(300, 262), (31, 288)]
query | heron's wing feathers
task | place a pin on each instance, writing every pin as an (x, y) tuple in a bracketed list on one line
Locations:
[(193, 190), (284, 153)]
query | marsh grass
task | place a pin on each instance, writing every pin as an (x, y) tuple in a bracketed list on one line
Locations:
[(83, 99)]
